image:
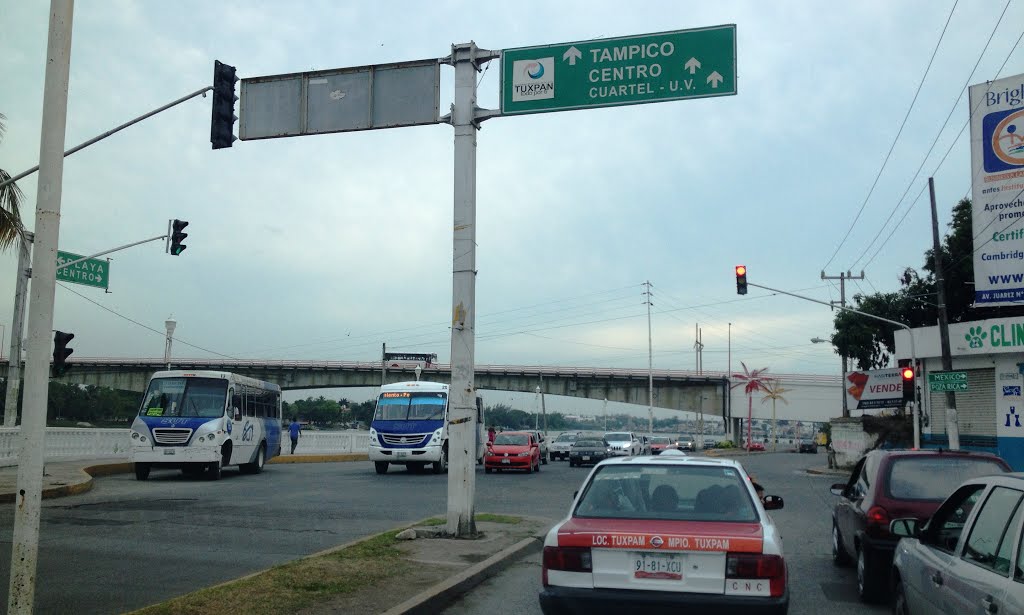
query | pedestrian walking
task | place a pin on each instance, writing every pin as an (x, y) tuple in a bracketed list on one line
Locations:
[(490, 435), (295, 430)]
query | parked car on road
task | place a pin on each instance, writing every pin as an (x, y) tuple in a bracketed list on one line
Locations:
[(542, 442), (624, 442), (807, 445), (755, 446), (962, 560), (589, 451), (559, 447), (666, 534), (660, 444), (686, 443), (512, 450), (891, 484)]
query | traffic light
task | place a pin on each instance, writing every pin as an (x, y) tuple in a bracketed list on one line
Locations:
[(61, 352), (741, 279), (177, 236), (222, 122), (907, 376)]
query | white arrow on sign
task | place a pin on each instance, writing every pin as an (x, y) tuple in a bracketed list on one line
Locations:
[(572, 54), (692, 65), (714, 79)]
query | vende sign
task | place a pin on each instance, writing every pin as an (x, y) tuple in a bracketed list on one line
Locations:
[(874, 389)]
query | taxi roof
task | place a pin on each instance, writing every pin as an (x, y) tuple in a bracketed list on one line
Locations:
[(671, 460)]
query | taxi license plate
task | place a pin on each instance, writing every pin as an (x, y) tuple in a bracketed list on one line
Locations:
[(586, 457), (667, 566), (401, 454), (168, 451), (506, 461)]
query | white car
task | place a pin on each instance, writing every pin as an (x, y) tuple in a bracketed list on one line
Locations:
[(666, 533), (559, 447), (542, 440), (624, 443), (968, 558)]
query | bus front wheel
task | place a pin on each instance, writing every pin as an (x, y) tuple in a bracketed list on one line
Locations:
[(441, 465), (381, 467), (213, 471), (141, 471)]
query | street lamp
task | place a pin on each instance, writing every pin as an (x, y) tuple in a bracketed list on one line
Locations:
[(170, 323), (418, 371)]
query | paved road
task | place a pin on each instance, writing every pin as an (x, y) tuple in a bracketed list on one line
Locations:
[(816, 586)]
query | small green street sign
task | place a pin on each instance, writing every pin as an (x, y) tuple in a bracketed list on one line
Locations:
[(92, 272), (627, 70), (947, 381)]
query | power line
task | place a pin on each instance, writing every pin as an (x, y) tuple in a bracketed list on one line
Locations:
[(897, 138)]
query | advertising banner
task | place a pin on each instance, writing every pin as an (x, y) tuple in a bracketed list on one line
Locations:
[(874, 389), (997, 171)]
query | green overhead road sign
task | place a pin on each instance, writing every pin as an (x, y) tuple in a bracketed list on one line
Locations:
[(91, 272), (627, 70), (947, 381)]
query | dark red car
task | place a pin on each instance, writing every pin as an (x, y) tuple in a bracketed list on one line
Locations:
[(513, 450), (892, 484), (660, 444)]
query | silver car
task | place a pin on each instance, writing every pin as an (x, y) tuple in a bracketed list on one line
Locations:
[(543, 441), (624, 443), (559, 448), (968, 558)]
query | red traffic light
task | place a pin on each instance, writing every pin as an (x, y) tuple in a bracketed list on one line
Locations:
[(741, 270), (907, 373)]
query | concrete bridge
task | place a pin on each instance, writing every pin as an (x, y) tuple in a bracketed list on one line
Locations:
[(673, 389)]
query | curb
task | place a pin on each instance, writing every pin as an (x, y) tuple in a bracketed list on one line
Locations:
[(436, 598), (827, 472), (319, 458)]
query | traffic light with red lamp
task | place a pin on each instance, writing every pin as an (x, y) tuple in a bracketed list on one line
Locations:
[(61, 352), (908, 376), (741, 279)]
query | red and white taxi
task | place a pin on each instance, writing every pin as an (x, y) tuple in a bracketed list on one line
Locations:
[(666, 533)]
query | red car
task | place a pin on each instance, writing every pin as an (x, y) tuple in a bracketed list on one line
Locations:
[(660, 444), (893, 484), (755, 446), (513, 450)]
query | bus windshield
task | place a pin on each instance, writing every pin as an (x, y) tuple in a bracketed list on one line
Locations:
[(191, 397), (409, 406)]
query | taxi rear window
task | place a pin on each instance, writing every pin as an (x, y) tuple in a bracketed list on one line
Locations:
[(674, 493)]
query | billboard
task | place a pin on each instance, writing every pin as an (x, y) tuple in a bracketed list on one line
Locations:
[(874, 389), (997, 190)]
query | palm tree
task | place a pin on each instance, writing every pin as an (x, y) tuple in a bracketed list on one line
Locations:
[(10, 205), (752, 381), (773, 390)]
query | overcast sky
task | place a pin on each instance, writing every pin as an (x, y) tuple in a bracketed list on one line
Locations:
[(323, 247)]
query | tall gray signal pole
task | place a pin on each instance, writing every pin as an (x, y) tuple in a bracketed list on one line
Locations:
[(25, 546), (462, 446), (843, 277), (17, 331), (952, 421)]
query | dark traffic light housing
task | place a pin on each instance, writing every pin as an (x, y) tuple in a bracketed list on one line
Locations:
[(907, 375), (741, 279), (177, 236), (61, 352), (222, 122)]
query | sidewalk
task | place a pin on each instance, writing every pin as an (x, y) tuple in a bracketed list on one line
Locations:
[(63, 478)]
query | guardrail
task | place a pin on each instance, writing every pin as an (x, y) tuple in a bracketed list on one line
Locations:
[(69, 443)]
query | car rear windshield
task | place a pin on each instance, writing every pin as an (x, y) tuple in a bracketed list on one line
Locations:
[(588, 444), (661, 491), (934, 477)]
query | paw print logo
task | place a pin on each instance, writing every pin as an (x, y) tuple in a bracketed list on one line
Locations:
[(975, 336)]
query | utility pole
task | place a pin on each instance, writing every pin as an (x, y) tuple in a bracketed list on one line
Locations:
[(605, 414), (650, 363), (17, 331), (952, 421), (25, 543), (728, 392), (842, 277)]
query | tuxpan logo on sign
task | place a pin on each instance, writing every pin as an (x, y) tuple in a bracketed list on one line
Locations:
[(997, 164), (1011, 391), (533, 79)]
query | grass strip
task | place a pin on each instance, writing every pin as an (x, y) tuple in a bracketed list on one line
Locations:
[(295, 585), (434, 521)]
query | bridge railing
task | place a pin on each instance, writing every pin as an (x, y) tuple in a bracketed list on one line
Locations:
[(71, 443)]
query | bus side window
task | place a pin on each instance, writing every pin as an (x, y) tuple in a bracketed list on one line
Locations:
[(236, 405)]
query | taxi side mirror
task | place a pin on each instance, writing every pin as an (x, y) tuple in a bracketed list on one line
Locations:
[(773, 502), (838, 489), (904, 528)]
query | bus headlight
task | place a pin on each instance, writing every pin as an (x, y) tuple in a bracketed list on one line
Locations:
[(135, 435)]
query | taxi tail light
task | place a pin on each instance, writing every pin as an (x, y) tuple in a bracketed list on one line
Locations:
[(758, 566), (570, 559)]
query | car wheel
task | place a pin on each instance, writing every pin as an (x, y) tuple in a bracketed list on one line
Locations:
[(544, 459), (572, 464), (441, 465), (899, 601), (839, 555), (869, 582), (487, 470), (381, 467), (538, 465), (529, 469)]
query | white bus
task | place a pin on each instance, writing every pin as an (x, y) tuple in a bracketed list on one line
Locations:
[(410, 427), (201, 421)]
